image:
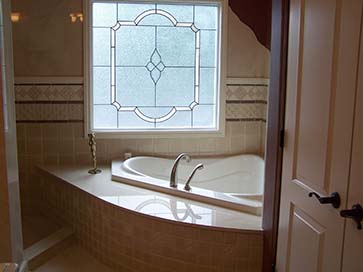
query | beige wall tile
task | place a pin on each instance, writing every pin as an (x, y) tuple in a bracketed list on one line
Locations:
[(50, 131), (223, 145), (21, 131), (51, 159), (252, 137), (66, 131), (207, 145), (52, 147), (161, 146), (33, 131), (81, 145), (66, 147), (238, 144), (135, 243), (78, 130), (34, 147)]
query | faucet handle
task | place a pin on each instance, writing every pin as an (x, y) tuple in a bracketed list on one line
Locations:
[(173, 174), (198, 167)]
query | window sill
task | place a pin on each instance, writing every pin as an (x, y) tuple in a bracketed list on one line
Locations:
[(147, 134)]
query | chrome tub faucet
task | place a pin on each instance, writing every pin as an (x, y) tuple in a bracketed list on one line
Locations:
[(174, 174), (198, 167)]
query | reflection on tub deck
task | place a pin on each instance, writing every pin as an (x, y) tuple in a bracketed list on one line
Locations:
[(234, 182)]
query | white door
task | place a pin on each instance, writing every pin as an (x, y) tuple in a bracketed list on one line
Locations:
[(321, 85), (353, 242)]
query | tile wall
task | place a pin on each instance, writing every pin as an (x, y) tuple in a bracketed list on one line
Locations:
[(129, 241), (50, 130)]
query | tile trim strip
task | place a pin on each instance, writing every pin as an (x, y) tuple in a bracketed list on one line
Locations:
[(245, 119), (48, 80), (78, 102), (247, 85), (248, 81), (48, 84), (246, 102), (49, 121)]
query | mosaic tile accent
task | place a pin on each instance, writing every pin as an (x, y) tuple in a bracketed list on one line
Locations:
[(49, 112), (25, 92), (246, 111), (247, 92)]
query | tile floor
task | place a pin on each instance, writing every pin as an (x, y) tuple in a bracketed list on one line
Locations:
[(37, 227), (73, 259)]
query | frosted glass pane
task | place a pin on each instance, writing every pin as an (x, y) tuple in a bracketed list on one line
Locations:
[(206, 17), (101, 46), (104, 117), (208, 48), (176, 46), (153, 65), (104, 14), (175, 87), (134, 87), (204, 116), (182, 14), (131, 120), (134, 45), (181, 119), (156, 20), (155, 112), (129, 12), (101, 85), (207, 85)]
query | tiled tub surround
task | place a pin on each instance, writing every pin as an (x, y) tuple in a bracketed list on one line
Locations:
[(50, 128), (133, 229)]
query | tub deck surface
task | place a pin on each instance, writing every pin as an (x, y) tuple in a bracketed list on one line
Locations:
[(152, 203)]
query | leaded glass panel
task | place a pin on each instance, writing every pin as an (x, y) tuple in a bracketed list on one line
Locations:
[(154, 66)]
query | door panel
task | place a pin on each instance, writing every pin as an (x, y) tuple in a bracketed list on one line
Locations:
[(305, 242), (322, 66), (316, 60), (353, 254)]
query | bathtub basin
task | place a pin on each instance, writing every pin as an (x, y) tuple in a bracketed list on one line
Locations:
[(234, 182)]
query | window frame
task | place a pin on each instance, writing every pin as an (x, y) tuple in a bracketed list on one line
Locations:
[(219, 131)]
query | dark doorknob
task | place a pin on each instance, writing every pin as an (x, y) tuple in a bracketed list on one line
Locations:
[(333, 199), (355, 213)]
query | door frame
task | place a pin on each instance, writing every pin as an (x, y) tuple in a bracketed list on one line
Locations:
[(275, 130)]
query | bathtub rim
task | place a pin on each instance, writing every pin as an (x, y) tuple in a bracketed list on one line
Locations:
[(150, 183)]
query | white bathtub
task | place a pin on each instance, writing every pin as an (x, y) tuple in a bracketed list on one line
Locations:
[(232, 182)]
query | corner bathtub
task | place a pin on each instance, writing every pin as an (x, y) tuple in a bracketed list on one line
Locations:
[(231, 182)]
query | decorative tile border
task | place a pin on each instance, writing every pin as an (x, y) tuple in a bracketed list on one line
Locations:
[(48, 99), (38, 112), (30, 92), (246, 111), (246, 92)]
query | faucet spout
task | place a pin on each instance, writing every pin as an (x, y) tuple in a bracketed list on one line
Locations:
[(198, 167), (174, 174)]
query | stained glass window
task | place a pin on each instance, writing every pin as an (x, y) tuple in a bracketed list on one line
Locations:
[(154, 66)]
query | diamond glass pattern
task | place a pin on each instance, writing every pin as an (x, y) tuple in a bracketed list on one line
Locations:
[(169, 35)]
